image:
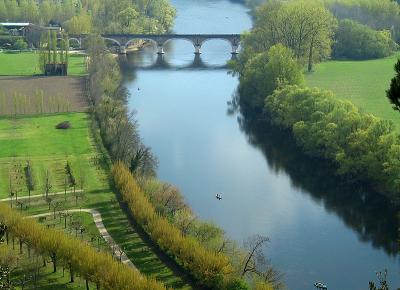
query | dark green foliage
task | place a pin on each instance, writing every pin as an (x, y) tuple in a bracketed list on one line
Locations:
[(358, 41), (30, 184), (8, 41), (70, 174), (63, 125), (393, 94)]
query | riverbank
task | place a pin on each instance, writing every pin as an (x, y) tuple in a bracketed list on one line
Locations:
[(183, 116), (359, 83)]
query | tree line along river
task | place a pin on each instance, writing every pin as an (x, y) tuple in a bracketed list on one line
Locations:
[(319, 230)]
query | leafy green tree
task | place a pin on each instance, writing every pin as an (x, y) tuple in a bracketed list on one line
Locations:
[(127, 17), (306, 27), (266, 71), (20, 44), (393, 94), (358, 41)]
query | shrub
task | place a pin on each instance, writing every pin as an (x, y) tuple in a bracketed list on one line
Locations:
[(357, 41), (63, 125), (20, 44)]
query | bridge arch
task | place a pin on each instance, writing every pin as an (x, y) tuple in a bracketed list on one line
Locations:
[(196, 45), (235, 44), (112, 40), (129, 42)]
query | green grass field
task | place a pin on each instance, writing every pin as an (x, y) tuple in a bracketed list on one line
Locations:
[(364, 83), (35, 138), (27, 64)]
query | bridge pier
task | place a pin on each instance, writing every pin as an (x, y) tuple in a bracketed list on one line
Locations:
[(160, 49), (197, 49), (235, 49), (122, 49)]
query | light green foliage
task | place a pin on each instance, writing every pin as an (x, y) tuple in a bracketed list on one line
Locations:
[(20, 44), (306, 27), (378, 14), (85, 16), (51, 152), (363, 146), (357, 41), (362, 82), (27, 63), (76, 255), (265, 71)]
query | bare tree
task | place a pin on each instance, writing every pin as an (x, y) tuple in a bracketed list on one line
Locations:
[(255, 256), (48, 185), (255, 263)]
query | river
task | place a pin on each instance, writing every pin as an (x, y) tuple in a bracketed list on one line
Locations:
[(319, 230)]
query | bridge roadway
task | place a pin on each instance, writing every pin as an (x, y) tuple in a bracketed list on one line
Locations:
[(123, 41)]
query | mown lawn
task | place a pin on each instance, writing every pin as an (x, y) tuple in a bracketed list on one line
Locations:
[(27, 64), (362, 82), (36, 139)]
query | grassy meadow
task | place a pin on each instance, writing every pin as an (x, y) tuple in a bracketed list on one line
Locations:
[(27, 64), (36, 139), (364, 83)]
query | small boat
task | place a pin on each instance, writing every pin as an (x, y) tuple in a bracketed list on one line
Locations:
[(218, 196), (320, 285)]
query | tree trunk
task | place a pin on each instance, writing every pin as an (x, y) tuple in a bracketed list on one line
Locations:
[(54, 260), (71, 272), (20, 246), (310, 56), (87, 284)]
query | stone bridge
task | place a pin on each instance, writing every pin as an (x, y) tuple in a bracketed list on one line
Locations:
[(125, 40)]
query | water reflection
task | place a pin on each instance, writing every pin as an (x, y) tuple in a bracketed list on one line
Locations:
[(370, 215), (160, 62)]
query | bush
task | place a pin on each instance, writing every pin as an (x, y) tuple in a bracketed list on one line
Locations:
[(64, 125), (357, 41), (362, 146), (20, 44), (265, 71), (8, 41)]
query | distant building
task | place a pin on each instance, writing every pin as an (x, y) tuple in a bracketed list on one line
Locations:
[(15, 28)]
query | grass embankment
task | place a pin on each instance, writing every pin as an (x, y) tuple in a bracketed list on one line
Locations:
[(35, 138), (364, 83), (27, 64)]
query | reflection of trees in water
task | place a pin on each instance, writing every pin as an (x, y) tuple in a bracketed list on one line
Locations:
[(138, 61), (371, 215)]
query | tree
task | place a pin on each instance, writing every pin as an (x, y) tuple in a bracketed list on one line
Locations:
[(20, 44), (48, 185), (127, 17), (264, 72), (393, 94), (306, 27), (383, 284), (356, 41), (255, 255)]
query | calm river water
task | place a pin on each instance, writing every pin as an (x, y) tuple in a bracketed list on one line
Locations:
[(319, 230)]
